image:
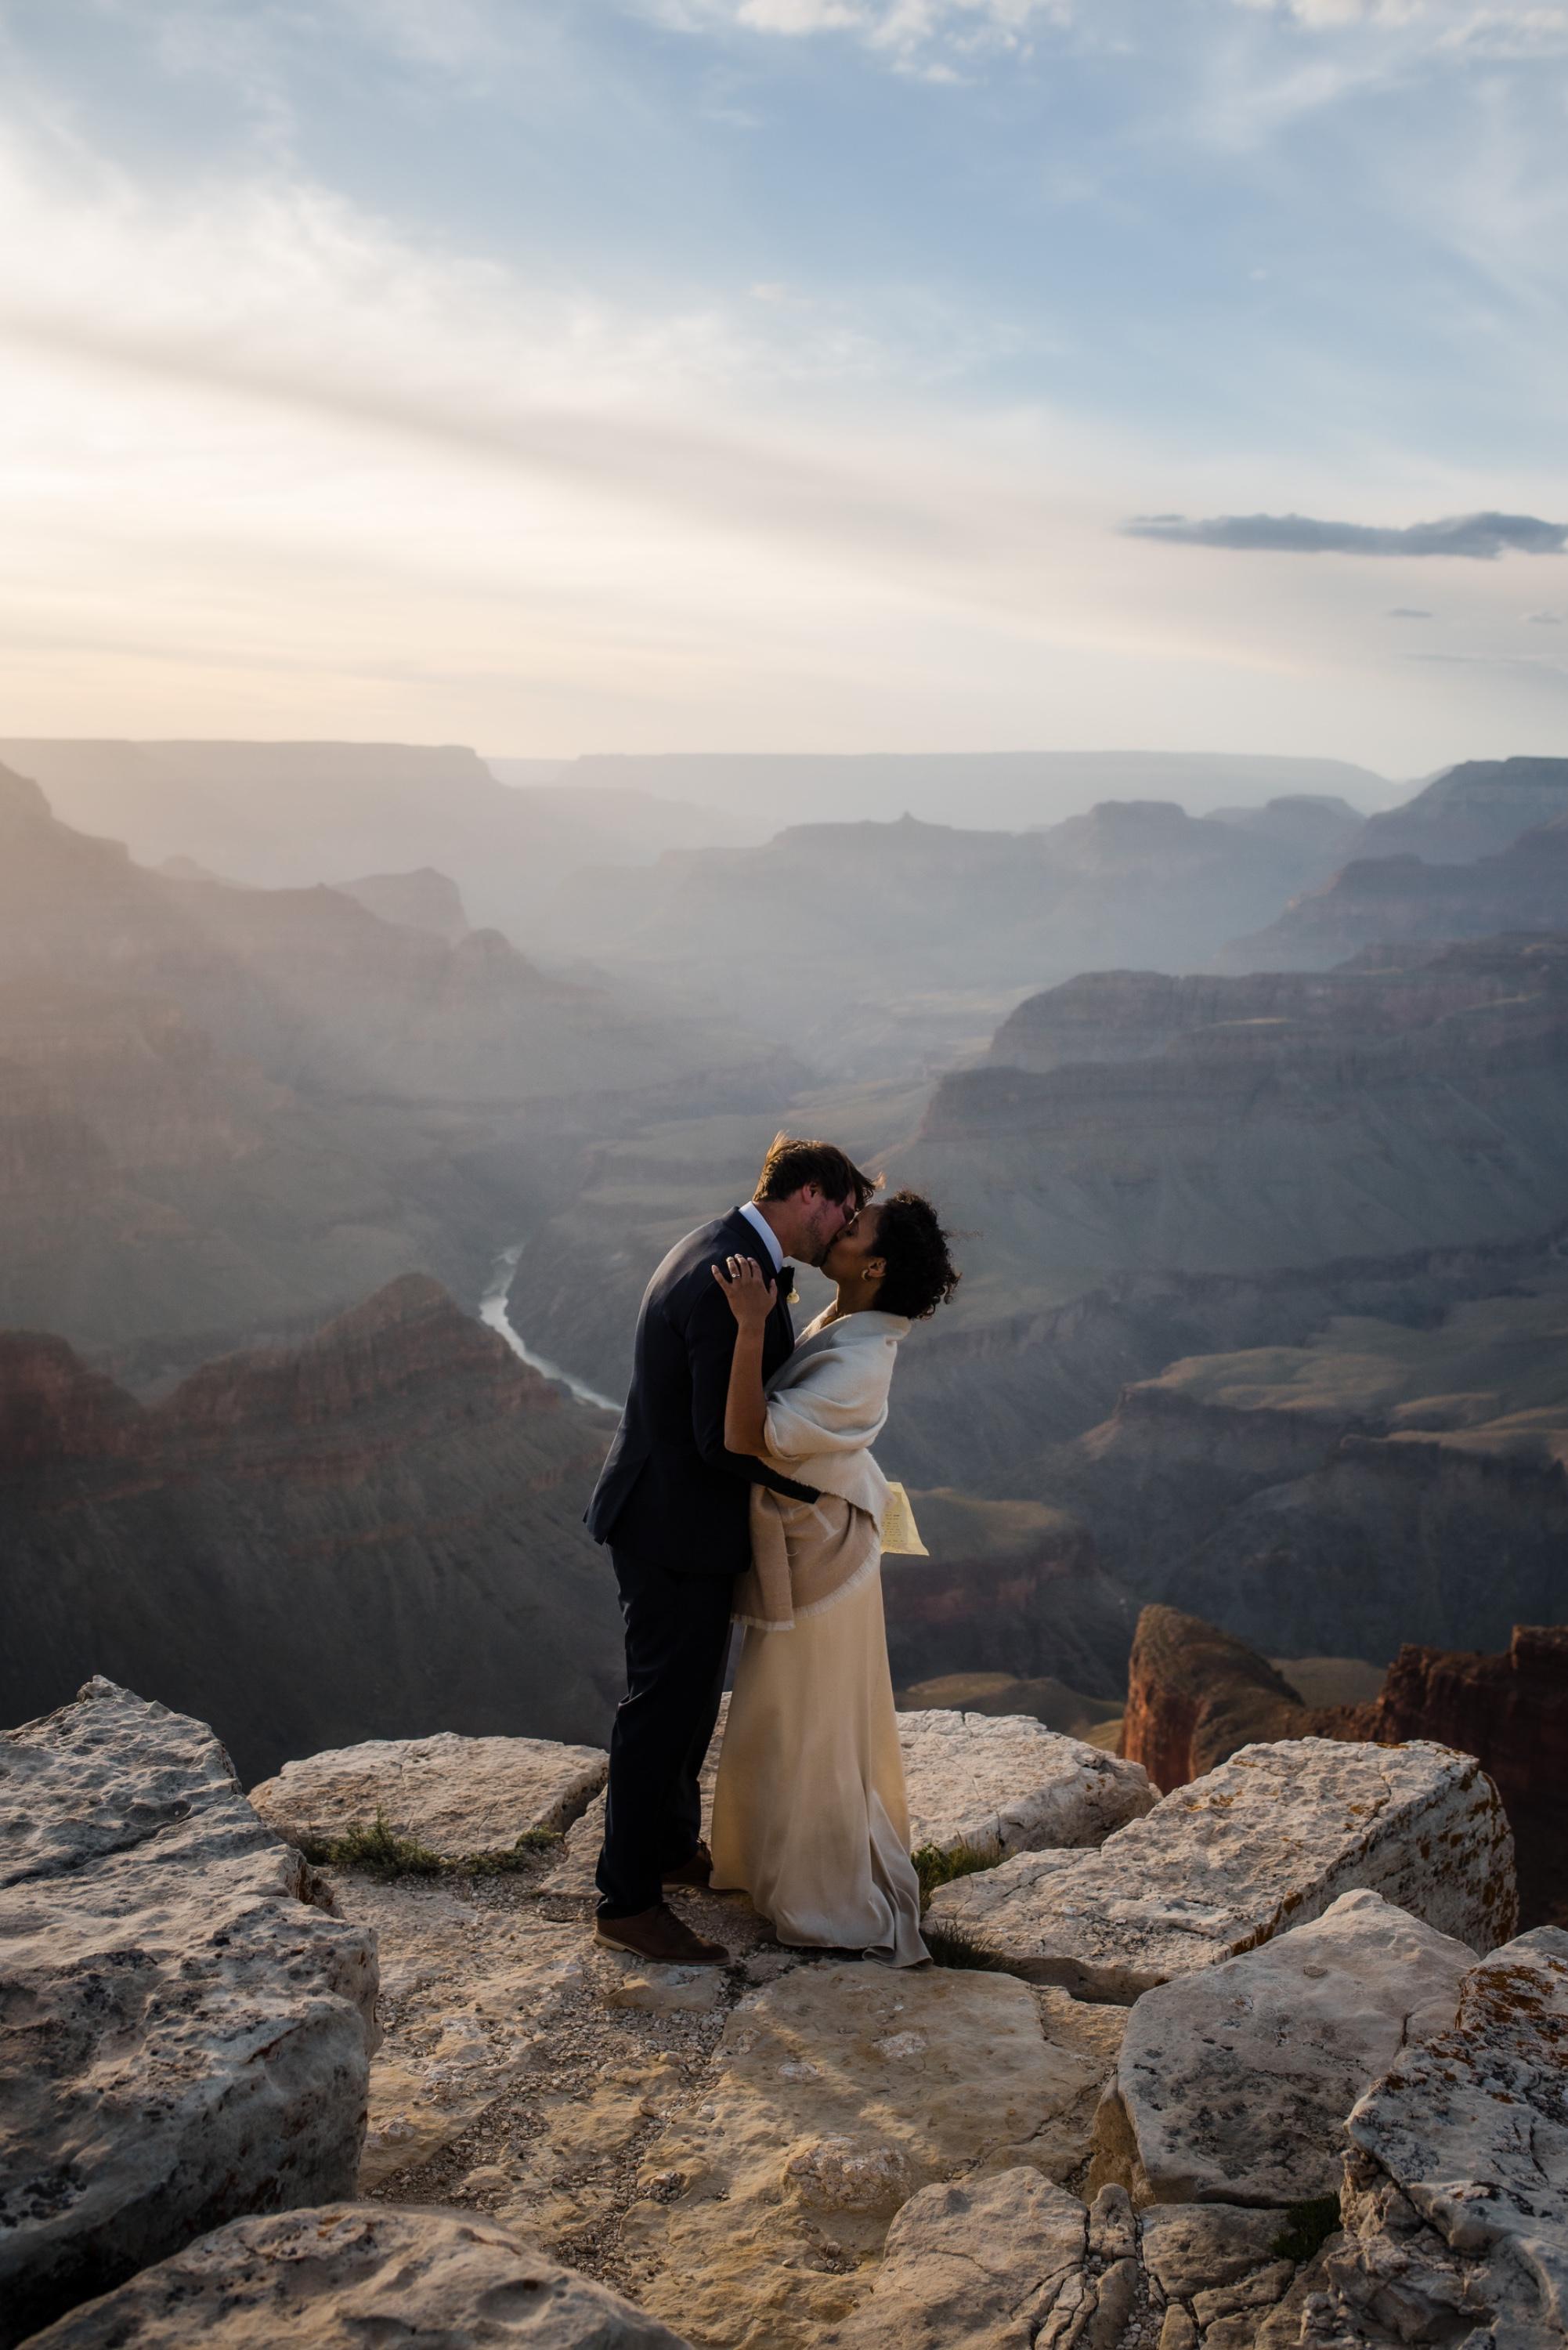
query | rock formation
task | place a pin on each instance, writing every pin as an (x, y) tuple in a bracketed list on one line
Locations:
[(1195, 1695), (374, 1534), (1383, 909), (1512, 1712), (423, 900), (1014, 1585), (227, 1108), (1268, 1840), (285, 816), (1396, 1476), (1247, 1125), (347, 2273), (837, 2093), (183, 2035), (1232, 2081), (1474, 809), (1007, 789), (798, 2154), (459, 1798), (1456, 2189), (930, 930)]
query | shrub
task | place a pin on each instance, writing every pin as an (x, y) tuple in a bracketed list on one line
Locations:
[(377, 1850), (936, 1866), (382, 1853)]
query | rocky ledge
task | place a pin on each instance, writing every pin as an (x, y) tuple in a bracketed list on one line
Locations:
[(1456, 2180), (799, 2151), (1266, 1842), (185, 2033), (458, 1798), (351, 2274)]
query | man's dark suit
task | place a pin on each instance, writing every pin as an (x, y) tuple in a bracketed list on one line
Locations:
[(674, 1506)]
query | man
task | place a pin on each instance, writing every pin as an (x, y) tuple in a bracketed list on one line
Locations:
[(674, 1507)]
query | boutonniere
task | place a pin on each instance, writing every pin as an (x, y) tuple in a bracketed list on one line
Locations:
[(791, 1296)]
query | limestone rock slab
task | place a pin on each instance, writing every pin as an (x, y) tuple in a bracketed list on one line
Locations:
[(1234, 2081), (461, 1797), (992, 2262), (839, 2092), (348, 2274), (1193, 2248), (1268, 1841), (183, 2034), (1456, 2182), (1001, 1784), (1007, 2261), (987, 1784)]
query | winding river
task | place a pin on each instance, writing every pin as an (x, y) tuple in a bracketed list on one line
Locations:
[(492, 1310)]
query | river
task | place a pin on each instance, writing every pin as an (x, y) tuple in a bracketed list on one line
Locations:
[(492, 1310)]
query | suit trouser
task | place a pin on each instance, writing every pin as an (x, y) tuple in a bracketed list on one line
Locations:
[(677, 1641)]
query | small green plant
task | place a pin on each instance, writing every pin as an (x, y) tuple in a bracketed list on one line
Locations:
[(499, 1863), (1308, 2227), (379, 1850), (938, 1864)]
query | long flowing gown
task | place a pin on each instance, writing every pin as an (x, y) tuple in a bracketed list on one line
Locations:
[(810, 1816)]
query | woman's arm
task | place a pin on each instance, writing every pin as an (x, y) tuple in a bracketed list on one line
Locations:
[(751, 1301)]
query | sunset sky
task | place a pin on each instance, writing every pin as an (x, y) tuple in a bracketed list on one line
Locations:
[(580, 375)]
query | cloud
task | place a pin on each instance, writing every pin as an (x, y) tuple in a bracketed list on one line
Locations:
[(1482, 536), (1524, 669), (909, 35), (1545, 620), (1505, 28), (1408, 612)]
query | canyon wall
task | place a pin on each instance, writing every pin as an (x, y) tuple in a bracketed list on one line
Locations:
[(376, 1534), (1196, 1695)]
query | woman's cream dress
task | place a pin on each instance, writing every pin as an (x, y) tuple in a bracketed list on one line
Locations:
[(809, 1813)]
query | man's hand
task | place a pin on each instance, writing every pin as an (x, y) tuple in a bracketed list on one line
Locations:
[(750, 1291)]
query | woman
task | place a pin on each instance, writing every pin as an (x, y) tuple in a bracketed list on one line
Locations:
[(809, 1813)]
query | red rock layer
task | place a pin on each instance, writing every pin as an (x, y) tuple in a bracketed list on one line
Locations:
[(1512, 1711), (1195, 1695)]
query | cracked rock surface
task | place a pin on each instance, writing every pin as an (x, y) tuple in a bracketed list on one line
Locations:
[(1267, 1841), (183, 2034), (837, 2092), (1456, 2201), (458, 1797), (349, 2275), (1233, 2082), (1008, 2261)]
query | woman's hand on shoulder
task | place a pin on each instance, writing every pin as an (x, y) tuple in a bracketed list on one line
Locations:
[(750, 1291)]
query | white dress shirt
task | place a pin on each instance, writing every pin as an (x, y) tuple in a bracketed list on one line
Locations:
[(760, 1224)]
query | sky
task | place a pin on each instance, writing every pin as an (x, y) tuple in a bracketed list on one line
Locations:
[(566, 376)]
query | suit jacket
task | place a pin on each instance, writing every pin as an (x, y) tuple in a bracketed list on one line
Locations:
[(670, 1493)]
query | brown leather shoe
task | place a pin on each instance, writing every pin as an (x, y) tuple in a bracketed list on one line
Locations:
[(698, 1870), (659, 1935)]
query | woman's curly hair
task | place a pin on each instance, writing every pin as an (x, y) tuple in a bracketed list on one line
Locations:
[(920, 1274)]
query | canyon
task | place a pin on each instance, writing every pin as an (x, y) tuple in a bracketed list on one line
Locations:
[(224, 1111), (372, 1532)]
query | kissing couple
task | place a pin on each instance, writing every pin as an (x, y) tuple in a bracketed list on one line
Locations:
[(741, 1487)]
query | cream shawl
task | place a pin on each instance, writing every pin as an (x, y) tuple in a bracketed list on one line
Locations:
[(826, 1407)]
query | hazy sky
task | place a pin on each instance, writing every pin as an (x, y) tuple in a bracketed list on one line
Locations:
[(562, 375)]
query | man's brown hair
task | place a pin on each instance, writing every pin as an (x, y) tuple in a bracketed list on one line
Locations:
[(792, 1164)]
